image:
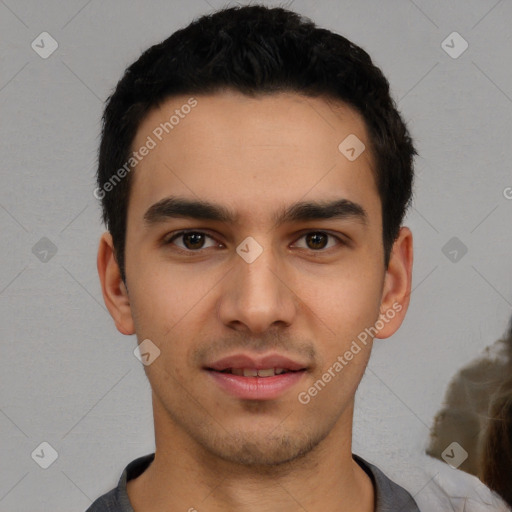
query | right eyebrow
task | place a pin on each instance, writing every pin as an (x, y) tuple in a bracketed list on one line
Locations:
[(171, 207)]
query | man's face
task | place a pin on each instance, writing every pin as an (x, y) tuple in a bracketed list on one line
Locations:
[(317, 284)]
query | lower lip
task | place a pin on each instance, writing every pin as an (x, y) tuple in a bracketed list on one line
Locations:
[(256, 388)]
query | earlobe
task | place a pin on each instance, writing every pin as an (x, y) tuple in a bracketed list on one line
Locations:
[(113, 288), (397, 285)]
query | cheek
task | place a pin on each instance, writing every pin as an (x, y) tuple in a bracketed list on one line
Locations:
[(344, 299), (170, 305)]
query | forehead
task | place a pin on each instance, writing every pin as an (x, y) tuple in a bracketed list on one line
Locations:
[(252, 153)]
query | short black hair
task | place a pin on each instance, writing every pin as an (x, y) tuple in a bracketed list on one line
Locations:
[(255, 50)]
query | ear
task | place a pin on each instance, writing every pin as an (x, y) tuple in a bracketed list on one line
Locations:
[(114, 290), (397, 285)]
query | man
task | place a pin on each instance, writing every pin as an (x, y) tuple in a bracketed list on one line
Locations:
[(254, 173)]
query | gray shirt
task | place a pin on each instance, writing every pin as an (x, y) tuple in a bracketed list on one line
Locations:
[(389, 497)]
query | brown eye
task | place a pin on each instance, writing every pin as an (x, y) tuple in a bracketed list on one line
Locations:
[(318, 240), (192, 240)]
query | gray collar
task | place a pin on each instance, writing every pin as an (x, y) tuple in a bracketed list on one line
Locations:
[(389, 496)]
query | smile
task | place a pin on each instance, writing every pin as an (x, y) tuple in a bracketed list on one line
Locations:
[(253, 372)]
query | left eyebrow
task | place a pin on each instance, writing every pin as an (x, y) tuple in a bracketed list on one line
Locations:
[(317, 210), (172, 207)]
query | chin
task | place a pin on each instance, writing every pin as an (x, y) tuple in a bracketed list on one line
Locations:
[(263, 451)]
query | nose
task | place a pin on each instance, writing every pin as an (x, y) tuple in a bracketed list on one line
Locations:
[(257, 296)]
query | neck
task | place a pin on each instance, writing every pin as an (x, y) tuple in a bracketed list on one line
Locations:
[(184, 476)]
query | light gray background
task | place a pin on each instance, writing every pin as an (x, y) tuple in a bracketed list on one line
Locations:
[(69, 378)]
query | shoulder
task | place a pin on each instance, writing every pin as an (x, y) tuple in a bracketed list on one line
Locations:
[(389, 496), (116, 500), (432, 486), (105, 503)]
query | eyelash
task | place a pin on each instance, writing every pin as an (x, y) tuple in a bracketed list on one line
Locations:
[(173, 236)]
